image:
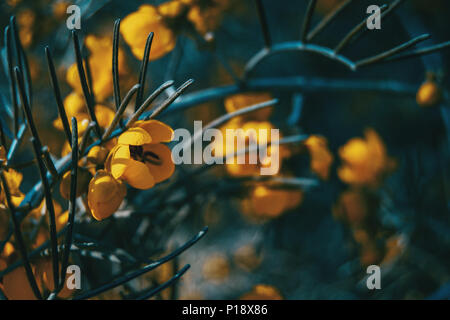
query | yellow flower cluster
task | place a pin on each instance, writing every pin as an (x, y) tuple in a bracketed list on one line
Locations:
[(167, 20), (139, 159), (264, 202), (365, 161), (365, 164), (100, 54)]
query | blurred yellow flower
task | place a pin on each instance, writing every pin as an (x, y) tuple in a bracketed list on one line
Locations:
[(206, 16), (172, 9), (136, 26), (263, 292), (140, 158), (216, 268), (251, 134), (429, 94), (83, 178), (100, 58), (13, 179), (267, 203), (97, 155), (105, 194), (75, 106), (365, 161), (247, 258), (239, 101), (321, 157)]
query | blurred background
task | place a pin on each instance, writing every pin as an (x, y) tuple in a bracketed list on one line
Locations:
[(318, 246)]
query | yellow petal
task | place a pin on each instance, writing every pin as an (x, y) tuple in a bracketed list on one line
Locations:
[(159, 131), (136, 26), (119, 160), (166, 168), (104, 115), (105, 194), (138, 175), (135, 137)]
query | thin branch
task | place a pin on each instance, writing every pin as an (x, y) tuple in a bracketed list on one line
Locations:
[(143, 70), (135, 116), (264, 25), (115, 63), (385, 11), (384, 55), (171, 99), (307, 20), (87, 94), (348, 38), (165, 285), (328, 19), (16, 142), (12, 82), (120, 111), (72, 203), (26, 106), (50, 210), (22, 60), (85, 138), (127, 277), (48, 161), (57, 94), (228, 116), (420, 52)]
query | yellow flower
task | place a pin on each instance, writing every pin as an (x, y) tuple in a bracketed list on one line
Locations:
[(365, 161), (140, 158), (321, 157), (171, 9), (105, 194), (100, 58), (136, 27), (207, 16), (216, 268), (75, 106), (247, 258), (263, 292), (229, 147), (429, 94), (83, 178), (13, 179), (239, 101), (97, 155), (266, 203)]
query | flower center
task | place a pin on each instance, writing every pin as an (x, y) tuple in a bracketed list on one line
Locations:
[(138, 154)]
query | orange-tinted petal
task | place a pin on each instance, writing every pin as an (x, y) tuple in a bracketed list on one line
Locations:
[(166, 168), (159, 131), (138, 175), (135, 137), (120, 157)]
